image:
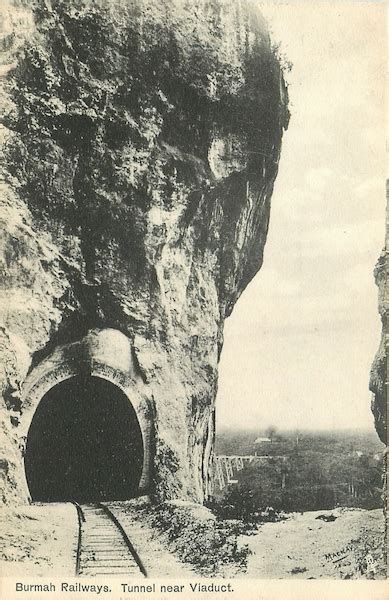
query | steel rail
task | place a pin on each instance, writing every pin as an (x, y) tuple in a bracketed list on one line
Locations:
[(125, 537), (81, 519), (112, 517)]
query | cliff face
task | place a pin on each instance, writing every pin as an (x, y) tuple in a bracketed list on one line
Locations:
[(183, 188), (379, 371)]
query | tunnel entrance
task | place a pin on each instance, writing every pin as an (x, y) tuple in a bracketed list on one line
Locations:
[(84, 444)]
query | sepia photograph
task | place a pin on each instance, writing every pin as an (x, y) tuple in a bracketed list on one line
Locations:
[(193, 309)]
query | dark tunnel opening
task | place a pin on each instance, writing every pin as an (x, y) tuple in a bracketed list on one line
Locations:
[(84, 444)]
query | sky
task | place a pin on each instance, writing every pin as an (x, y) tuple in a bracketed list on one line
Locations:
[(300, 342)]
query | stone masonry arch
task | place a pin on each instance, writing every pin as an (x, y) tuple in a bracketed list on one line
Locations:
[(102, 353)]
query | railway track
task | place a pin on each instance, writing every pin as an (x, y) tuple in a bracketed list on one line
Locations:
[(103, 547)]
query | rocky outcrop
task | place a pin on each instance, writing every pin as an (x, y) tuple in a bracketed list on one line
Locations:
[(185, 193), (379, 372)]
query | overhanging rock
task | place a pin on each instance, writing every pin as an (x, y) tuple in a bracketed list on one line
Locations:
[(173, 211)]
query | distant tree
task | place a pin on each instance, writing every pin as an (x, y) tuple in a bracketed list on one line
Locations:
[(271, 433)]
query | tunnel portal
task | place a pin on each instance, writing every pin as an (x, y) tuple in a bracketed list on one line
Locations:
[(84, 444)]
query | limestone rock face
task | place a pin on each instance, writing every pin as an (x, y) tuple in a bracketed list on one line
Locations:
[(379, 371), (195, 181)]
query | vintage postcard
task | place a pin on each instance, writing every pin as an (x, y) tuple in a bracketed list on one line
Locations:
[(193, 344)]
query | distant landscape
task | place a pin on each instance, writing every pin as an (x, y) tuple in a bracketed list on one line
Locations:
[(297, 470)]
